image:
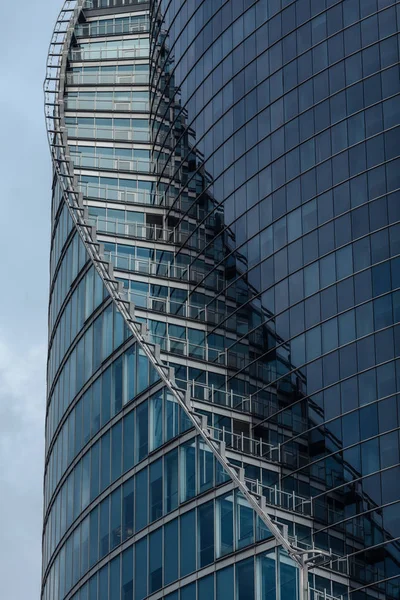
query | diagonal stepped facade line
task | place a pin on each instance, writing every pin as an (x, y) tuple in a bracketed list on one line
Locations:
[(54, 112), (54, 117)]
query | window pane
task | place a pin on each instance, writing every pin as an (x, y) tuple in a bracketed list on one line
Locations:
[(171, 481), (155, 561), (188, 543), (127, 574), (141, 500), (127, 509), (171, 552), (225, 587), (156, 490), (205, 517), (245, 580), (141, 569), (225, 524), (206, 588)]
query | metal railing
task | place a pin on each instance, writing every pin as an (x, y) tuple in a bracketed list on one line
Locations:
[(147, 266), (116, 78), (116, 163), (108, 133), (203, 392), (104, 105), (89, 4), (83, 54), (277, 497), (167, 305), (160, 269), (115, 193), (245, 444), (134, 230), (185, 347), (126, 196), (109, 163), (253, 446), (115, 27), (322, 595)]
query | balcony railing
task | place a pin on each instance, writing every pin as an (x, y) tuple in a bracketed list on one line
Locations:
[(322, 595), (104, 105), (276, 497), (185, 347), (126, 196), (246, 445), (109, 163), (134, 230), (83, 54), (169, 306), (147, 267), (89, 4), (127, 262), (83, 78), (108, 133), (114, 28)]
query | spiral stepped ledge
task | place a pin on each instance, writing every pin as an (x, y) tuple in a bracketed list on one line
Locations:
[(306, 558)]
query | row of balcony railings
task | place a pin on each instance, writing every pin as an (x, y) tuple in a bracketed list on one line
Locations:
[(259, 404), (112, 27), (113, 193), (83, 54), (150, 232), (108, 133), (206, 352), (106, 105), (185, 309), (115, 163), (112, 78)]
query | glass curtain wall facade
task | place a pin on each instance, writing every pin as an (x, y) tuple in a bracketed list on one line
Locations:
[(237, 164)]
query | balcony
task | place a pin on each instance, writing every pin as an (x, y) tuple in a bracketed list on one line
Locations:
[(116, 27), (109, 163), (125, 196), (100, 54), (128, 229), (105, 105), (100, 78), (152, 268), (108, 133)]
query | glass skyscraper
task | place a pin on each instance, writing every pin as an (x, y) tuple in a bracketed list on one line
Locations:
[(223, 409)]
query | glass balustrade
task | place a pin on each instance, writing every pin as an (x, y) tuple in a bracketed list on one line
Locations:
[(106, 105), (134, 230), (83, 54), (113, 27), (128, 196), (116, 78), (110, 163), (127, 262), (109, 133)]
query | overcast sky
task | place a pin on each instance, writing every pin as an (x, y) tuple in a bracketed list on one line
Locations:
[(24, 245)]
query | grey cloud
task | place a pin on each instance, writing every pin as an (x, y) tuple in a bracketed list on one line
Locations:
[(25, 175)]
